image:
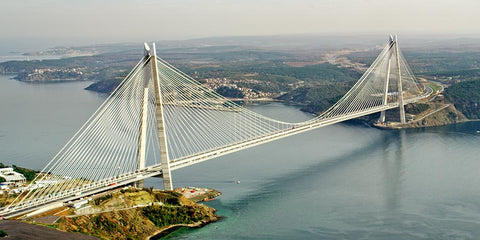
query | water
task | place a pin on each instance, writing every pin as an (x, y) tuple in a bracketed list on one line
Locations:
[(20, 57), (36, 120), (13, 49), (343, 181)]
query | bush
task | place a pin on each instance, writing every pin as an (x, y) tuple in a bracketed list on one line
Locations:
[(168, 197), (162, 215), (29, 174), (230, 92), (3, 233), (99, 200)]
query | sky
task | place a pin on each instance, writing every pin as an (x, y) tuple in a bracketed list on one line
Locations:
[(105, 21)]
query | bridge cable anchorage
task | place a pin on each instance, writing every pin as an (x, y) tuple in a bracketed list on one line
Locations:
[(138, 133)]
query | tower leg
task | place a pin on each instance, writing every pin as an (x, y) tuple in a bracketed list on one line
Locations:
[(142, 137), (385, 86), (162, 137), (400, 90), (387, 81)]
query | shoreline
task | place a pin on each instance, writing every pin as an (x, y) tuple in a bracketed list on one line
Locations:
[(133, 212), (172, 228), (403, 127)]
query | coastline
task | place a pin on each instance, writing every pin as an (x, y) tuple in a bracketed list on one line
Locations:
[(411, 127), (172, 228), (131, 213)]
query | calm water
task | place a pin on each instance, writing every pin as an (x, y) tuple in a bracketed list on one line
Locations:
[(339, 182)]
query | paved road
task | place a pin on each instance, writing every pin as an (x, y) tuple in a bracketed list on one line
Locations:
[(18, 230)]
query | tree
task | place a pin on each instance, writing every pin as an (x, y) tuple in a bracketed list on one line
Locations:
[(230, 92)]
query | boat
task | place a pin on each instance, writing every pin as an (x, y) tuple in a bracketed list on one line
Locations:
[(208, 199)]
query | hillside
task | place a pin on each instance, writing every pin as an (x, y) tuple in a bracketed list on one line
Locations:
[(466, 97), (135, 214)]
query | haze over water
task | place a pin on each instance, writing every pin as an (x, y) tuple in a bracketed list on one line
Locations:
[(344, 181)]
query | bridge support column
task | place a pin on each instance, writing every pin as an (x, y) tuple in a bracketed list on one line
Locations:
[(400, 90), (387, 81), (142, 137), (162, 137)]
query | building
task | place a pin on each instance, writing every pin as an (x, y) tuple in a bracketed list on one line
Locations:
[(11, 176)]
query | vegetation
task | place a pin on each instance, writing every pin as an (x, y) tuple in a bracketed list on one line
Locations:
[(466, 97), (275, 76), (317, 98), (3, 233), (316, 87), (163, 216), (230, 92), (168, 197), (416, 108), (103, 198), (431, 63), (120, 219), (29, 174)]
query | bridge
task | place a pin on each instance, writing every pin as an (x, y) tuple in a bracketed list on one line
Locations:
[(159, 119)]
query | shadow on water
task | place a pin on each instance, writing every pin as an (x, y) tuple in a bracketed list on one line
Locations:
[(293, 180), (393, 168)]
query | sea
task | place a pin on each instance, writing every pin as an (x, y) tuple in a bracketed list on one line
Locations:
[(344, 181)]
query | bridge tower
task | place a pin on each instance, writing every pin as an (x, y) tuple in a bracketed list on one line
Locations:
[(162, 137), (142, 136), (400, 90), (393, 49), (387, 79)]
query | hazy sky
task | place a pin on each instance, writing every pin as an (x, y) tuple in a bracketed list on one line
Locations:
[(139, 20)]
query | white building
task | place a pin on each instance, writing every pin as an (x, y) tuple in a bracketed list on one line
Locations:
[(11, 176)]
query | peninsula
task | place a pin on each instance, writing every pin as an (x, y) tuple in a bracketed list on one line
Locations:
[(129, 213)]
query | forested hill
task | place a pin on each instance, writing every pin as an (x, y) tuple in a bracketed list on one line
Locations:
[(466, 97)]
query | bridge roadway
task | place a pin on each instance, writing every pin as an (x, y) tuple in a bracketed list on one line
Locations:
[(156, 170), (194, 159)]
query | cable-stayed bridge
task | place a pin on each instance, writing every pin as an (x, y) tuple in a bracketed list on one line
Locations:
[(159, 119)]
